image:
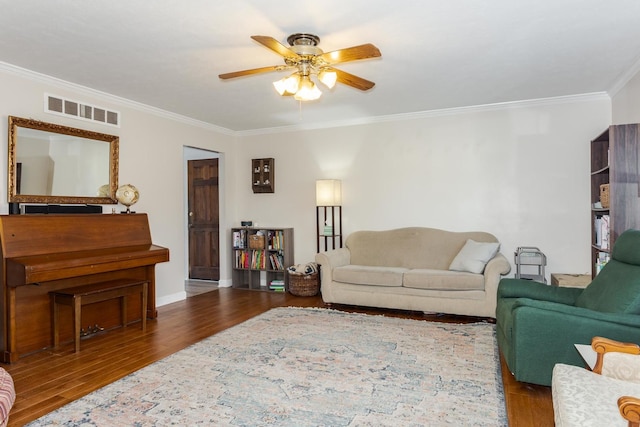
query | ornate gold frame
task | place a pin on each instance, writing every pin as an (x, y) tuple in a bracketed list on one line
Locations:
[(112, 140)]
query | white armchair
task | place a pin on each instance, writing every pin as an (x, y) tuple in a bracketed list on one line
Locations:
[(602, 396)]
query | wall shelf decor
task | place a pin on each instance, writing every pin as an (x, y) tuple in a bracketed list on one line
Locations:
[(263, 175)]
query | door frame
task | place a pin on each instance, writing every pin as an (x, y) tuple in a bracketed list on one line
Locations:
[(195, 153)]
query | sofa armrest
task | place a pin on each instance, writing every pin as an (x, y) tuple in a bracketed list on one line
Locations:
[(522, 288), (605, 345), (493, 272), (497, 266), (576, 314), (334, 258), (327, 262), (543, 333), (629, 408)]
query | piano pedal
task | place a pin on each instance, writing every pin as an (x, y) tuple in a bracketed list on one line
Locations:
[(91, 330)]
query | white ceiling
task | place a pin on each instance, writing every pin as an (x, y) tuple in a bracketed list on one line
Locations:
[(435, 54)]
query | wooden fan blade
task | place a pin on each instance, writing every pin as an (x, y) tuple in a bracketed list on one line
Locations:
[(277, 47), (251, 72), (352, 80), (354, 53)]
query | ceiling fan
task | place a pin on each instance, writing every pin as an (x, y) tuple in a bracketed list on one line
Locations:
[(307, 59)]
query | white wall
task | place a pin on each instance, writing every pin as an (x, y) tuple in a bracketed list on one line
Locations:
[(626, 102), (521, 173), (151, 153)]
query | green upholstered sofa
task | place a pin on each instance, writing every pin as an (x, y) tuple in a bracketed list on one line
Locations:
[(538, 325)]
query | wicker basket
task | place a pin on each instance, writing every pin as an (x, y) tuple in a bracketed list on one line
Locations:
[(256, 241), (304, 285), (604, 195)]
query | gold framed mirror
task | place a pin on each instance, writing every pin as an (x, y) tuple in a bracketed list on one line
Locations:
[(49, 163)]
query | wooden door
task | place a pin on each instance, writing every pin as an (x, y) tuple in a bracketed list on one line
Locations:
[(204, 227)]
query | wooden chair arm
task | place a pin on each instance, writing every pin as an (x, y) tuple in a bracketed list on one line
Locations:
[(604, 345), (630, 410)]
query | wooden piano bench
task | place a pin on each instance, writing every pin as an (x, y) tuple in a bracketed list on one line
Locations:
[(78, 296)]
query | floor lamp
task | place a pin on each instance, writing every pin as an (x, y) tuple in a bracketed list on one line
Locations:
[(329, 214)]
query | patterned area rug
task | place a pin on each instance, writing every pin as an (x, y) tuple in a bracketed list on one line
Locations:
[(311, 367)]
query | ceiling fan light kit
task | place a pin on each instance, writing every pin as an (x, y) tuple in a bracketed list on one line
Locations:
[(309, 60), (288, 86), (307, 91), (328, 78)]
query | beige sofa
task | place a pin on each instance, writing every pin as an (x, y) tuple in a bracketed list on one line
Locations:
[(415, 268)]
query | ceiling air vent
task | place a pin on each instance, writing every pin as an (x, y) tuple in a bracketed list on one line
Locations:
[(69, 108)]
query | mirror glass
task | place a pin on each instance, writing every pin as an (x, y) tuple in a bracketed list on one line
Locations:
[(50, 163)]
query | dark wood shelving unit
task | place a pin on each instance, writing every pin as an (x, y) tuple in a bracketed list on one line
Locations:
[(257, 252), (614, 161)]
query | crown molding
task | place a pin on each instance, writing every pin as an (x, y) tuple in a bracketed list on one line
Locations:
[(63, 84), (43, 78), (594, 96)]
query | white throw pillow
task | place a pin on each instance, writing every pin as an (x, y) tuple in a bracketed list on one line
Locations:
[(474, 256)]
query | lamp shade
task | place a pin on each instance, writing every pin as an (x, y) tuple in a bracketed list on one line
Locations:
[(328, 78), (328, 192), (307, 91), (288, 86)]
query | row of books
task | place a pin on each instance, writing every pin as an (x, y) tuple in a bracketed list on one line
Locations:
[(250, 259), (240, 239), (601, 225), (275, 239), (277, 261), (257, 260), (277, 285)]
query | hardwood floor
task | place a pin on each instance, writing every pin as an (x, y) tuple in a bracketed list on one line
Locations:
[(49, 379)]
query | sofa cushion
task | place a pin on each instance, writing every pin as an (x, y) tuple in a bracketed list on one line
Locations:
[(369, 275), (411, 247), (616, 289), (444, 280), (474, 256)]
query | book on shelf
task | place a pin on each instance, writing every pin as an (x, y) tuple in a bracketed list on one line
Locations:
[(275, 239), (241, 259), (239, 239), (601, 225), (277, 261), (258, 261), (277, 285)]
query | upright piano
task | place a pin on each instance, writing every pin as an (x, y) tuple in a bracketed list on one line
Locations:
[(46, 252)]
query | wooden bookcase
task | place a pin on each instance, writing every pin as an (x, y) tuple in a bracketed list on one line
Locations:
[(260, 256), (614, 161), (263, 175)]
